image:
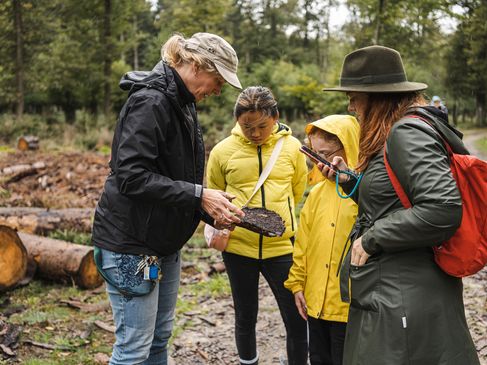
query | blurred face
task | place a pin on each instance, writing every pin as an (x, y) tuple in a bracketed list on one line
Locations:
[(326, 149), (199, 82), (357, 104), (256, 127)]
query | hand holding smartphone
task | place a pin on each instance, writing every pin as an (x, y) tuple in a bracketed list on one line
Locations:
[(315, 157)]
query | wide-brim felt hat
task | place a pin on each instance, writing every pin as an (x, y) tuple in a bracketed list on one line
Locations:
[(375, 69)]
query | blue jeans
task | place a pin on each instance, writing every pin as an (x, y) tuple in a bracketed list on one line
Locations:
[(143, 323)]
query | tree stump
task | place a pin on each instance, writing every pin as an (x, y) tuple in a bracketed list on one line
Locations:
[(62, 261), (13, 258), (26, 143)]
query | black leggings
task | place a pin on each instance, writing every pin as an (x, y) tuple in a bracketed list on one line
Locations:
[(243, 273), (326, 340)]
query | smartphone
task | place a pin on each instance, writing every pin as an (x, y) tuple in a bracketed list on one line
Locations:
[(315, 157)]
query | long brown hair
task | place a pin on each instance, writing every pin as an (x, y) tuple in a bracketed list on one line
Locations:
[(382, 111)]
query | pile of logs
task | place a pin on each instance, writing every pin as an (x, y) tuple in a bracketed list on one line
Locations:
[(42, 221), (23, 253)]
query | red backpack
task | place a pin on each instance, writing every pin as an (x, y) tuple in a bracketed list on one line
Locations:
[(465, 253)]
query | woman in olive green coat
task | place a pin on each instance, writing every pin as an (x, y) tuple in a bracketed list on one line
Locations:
[(404, 309)]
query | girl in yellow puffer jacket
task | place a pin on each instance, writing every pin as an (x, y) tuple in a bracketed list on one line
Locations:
[(234, 166), (325, 222)]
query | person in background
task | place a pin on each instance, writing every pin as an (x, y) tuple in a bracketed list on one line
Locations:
[(404, 309), (153, 198), (438, 103), (324, 225), (234, 166)]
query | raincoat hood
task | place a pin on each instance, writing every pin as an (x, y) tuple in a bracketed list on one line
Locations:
[(346, 128)]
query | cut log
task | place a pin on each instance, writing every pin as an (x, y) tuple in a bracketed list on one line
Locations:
[(26, 143), (17, 172), (42, 221), (13, 258), (63, 261)]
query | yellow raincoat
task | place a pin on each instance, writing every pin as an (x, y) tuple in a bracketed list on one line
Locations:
[(325, 222), (234, 166)]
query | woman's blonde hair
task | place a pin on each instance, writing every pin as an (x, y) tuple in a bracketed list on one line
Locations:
[(174, 53)]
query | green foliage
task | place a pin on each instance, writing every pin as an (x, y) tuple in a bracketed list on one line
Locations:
[(72, 236), (288, 45), (481, 144), (216, 286)]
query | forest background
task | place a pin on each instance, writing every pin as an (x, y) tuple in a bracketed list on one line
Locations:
[(61, 60)]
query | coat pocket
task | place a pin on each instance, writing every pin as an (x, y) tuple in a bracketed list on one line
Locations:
[(119, 269), (364, 284)]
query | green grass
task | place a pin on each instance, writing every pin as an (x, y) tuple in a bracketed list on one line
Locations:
[(72, 236), (216, 286), (46, 320), (481, 144)]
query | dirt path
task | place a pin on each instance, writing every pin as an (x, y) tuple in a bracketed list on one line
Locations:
[(470, 137)]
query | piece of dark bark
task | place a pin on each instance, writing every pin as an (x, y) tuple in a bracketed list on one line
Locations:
[(263, 221)]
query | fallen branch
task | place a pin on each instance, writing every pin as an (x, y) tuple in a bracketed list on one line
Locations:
[(206, 320), (48, 346), (7, 350), (105, 326), (87, 307), (203, 354)]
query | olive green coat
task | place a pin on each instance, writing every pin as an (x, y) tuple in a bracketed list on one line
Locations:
[(404, 309)]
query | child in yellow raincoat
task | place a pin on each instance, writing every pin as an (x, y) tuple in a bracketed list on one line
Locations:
[(325, 222)]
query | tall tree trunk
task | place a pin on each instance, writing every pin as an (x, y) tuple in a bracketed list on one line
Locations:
[(378, 24), (454, 113), (136, 45), (108, 56), (122, 53), (69, 113), (19, 58), (307, 18), (480, 112)]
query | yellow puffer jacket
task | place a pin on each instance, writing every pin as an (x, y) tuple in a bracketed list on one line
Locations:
[(234, 166), (325, 222)]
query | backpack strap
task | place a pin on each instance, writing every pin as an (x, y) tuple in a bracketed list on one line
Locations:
[(392, 176), (396, 184)]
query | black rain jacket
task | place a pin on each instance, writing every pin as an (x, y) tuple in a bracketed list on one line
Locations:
[(151, 201)]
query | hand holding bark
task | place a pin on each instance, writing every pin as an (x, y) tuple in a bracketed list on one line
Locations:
[(218, 205)]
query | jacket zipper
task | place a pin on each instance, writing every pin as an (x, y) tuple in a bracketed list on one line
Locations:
[(192, 139), (262, 193), (290, 212)]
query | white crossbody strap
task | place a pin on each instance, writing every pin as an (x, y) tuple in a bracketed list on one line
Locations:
[(268, 167)]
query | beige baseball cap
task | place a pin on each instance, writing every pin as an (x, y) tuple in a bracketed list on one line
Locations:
[(220, 52)]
